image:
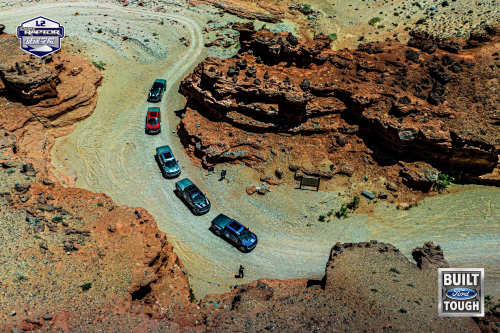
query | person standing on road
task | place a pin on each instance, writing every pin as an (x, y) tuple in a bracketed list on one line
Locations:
[(240, 273), (222, 174)]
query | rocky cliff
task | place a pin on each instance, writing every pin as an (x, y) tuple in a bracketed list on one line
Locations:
[(384, 110), (41, 99), (71, 259), (369, 287)]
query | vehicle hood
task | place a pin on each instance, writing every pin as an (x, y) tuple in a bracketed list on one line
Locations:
[(248, 239), (201, 201), (170, 169), (155, 92), (148, 125)]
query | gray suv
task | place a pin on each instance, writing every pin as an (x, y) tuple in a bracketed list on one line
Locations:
[(195, 199), (168, 163)]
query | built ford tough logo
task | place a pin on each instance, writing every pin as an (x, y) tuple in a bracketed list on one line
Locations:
[(40, 36), (461, 292)]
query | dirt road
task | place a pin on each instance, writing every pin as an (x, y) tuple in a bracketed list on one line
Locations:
[(111, 153)]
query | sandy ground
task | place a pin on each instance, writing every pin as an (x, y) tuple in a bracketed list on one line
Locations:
[(111, 153)]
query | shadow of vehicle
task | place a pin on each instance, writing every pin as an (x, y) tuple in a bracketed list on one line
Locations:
[(221, 236)]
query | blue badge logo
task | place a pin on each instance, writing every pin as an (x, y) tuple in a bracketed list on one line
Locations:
[(461, 293), (40, 36)]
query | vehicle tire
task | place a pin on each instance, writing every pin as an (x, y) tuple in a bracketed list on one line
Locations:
[(242, 248), (217, 231)]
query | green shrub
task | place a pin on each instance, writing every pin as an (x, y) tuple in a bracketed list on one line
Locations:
[(354, 204), (374, 290), (488, 303), (361, 38), (402, 310), (443, 182), (100, 204), (57, 219), (322, 218), (99, 65), (342, 212), (192, 298), (421, 21), (333, 37), (374, 20), (11, 170), (19, 277), (306, 8), (99, 31), (411, 285), (162, 23), (40, 208), (155, 34), (394, 270), (86, 286), (146, 40)]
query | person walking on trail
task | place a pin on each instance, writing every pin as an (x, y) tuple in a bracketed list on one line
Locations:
[(223, 174), (240, 273)]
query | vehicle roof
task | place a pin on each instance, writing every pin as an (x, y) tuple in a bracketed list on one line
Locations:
[(221, 220), (163, 149), (236, 226), (193, 189), (161, 81), (182, 184), (154, 108)]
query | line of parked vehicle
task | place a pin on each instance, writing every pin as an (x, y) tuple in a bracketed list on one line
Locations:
[(222, 225)]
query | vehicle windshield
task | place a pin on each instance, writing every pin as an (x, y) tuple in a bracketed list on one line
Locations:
[(245, 234), (198, 198), (170, 163), (153, 121)]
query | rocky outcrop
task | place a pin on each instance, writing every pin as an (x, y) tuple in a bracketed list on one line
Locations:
[(66, 237), (384, 109), (45, 97), (429, 256), (261, 11), (369, 286)]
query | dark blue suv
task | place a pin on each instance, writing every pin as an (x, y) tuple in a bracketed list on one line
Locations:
[(234, 232)]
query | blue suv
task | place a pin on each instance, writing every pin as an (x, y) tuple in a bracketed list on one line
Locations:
[(234, 232)]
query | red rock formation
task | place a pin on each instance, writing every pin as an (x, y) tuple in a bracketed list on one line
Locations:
[(429, 256), (384, 109), (43, 98), (369, 287), (260, 11)]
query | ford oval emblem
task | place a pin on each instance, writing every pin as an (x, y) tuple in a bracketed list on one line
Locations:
[(461, 293)]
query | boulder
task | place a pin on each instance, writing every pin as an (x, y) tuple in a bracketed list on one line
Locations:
[(292, 39), (251, 190), (305, 84), (392, 187), (429, 256), (382, 195)]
